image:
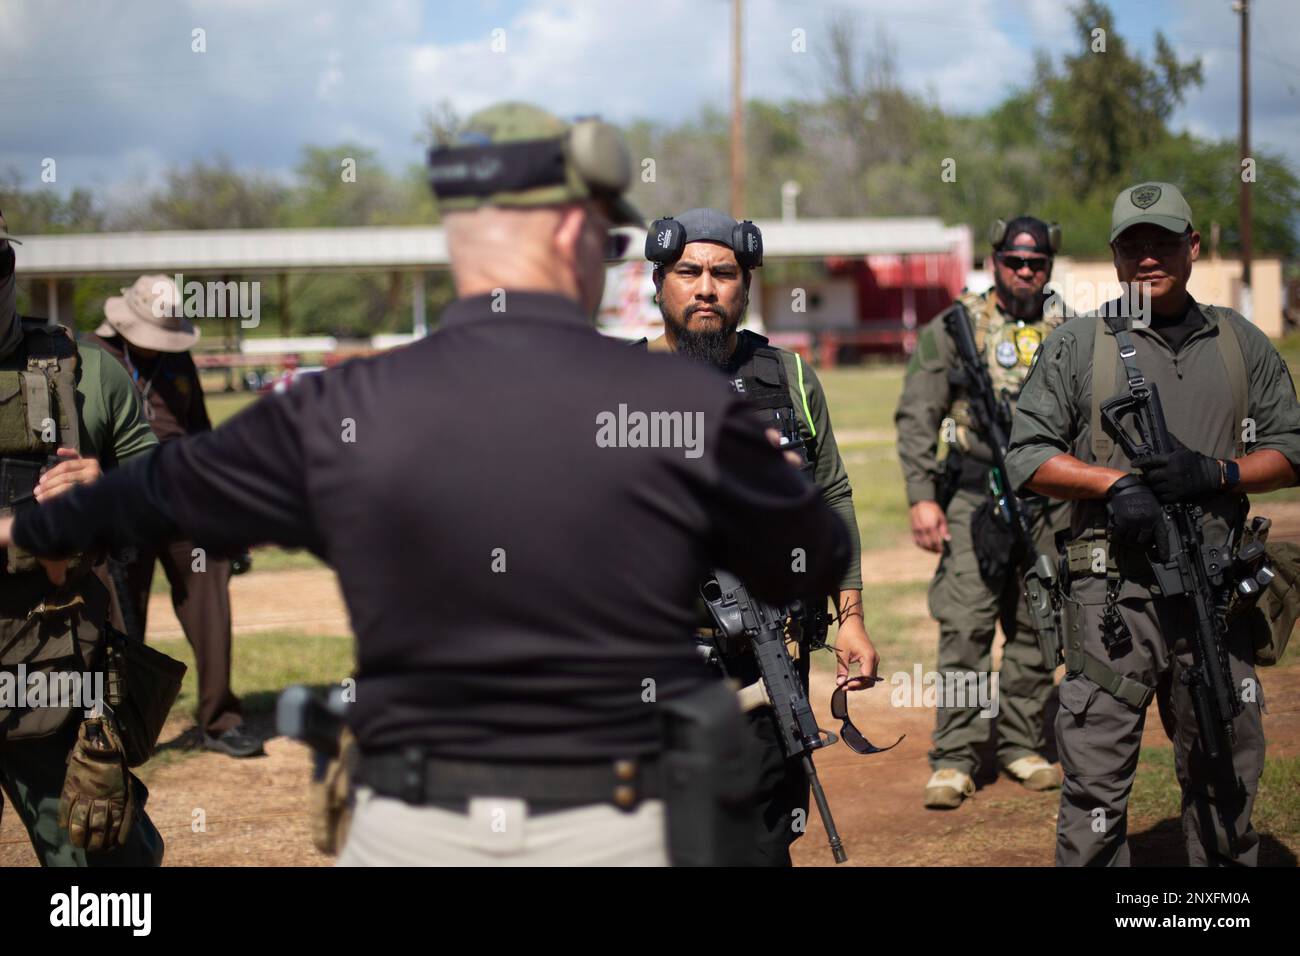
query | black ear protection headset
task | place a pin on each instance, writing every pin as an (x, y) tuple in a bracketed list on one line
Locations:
[(998, 234), (666, 239)]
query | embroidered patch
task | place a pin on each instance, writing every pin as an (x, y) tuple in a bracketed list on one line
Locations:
[(1027, 343), (1145, 196)]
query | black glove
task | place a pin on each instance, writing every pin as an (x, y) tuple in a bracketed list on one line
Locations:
[(1134, 512), (1180, 475)]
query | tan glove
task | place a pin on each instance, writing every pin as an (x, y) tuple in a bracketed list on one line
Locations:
[(331, 798), (97, 806)]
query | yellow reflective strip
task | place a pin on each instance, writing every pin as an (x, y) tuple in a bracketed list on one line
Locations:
[(812, 429)]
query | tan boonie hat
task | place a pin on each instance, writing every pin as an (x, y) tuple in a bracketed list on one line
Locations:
[(1161, 204), (515, 154), (149, 315)]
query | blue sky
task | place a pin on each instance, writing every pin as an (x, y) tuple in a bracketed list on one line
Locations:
[(113, 92)]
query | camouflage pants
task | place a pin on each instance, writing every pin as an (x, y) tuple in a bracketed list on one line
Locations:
[(968, 612), (1099, 736)]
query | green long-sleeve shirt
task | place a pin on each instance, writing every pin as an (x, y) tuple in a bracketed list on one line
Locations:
[(113, 426), (814, 417)]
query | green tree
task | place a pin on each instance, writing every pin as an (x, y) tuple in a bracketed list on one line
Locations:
[(209, 196), (1106, 105)]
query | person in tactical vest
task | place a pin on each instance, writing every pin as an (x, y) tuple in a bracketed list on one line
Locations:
[(704, 261), (977, 583), (144, 330), (522, 586), (1160, 551), (65, 413)]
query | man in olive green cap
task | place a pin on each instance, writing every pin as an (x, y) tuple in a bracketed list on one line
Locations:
[(1230, 408), (521, 579)]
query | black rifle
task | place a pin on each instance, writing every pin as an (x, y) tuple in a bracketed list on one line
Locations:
[(738, 616), (992, 416), (1184, 567)]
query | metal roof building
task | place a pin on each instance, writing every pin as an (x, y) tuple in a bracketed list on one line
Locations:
[(407, 249)]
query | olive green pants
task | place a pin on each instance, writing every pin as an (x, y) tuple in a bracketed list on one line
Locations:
[(31, 775), (1099, 736), (968, 611)]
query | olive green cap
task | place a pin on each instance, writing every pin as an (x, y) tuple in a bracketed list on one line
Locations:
[(1161, 204), (515, 154)]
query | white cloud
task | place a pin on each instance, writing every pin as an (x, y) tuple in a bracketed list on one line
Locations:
[(125, 93)]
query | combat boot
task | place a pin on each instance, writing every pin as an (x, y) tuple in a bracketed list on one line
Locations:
[(947, 788), (1035, 773)]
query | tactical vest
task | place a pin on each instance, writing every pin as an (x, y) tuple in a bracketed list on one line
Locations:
[(1008, 346), (762, 381), (42, 629)]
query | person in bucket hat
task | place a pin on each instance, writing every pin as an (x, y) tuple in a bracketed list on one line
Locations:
[(145, 330)]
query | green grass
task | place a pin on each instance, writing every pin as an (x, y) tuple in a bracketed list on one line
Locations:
[(265, 664), (267, 558), (899, 627), (222, 405), (1157, 796), (262, 666), (863, 397), (1277, 808), (862, 402)]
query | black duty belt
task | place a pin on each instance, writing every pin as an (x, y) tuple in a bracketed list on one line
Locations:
[(417, 779)]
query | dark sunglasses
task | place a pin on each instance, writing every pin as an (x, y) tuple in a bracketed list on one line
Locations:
[(616, 245), (848, 733), (1155, 248), (1016, 263)]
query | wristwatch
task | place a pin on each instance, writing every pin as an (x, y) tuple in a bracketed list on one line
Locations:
[(1229, 474)]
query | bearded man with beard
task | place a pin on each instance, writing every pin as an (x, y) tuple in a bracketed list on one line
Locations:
[(702, 277), (976, 585)]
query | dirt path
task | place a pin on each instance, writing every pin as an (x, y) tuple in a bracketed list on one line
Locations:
[(217, 811), (876, 800), (308, 601)]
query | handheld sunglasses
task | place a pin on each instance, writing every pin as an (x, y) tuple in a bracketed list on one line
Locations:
[(850, 734)]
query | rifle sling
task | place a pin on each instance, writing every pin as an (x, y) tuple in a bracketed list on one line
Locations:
[(1106, 349)]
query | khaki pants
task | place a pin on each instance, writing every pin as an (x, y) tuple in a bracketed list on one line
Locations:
[(499, 831), (968, 612)]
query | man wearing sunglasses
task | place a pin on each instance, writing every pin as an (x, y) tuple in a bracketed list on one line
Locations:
[(977, 583), (1231, 411), (521, 576)]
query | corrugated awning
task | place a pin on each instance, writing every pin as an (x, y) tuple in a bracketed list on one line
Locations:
[(405, 248)]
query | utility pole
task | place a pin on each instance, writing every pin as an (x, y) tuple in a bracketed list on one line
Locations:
[(737, 117), (1243, 8)]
